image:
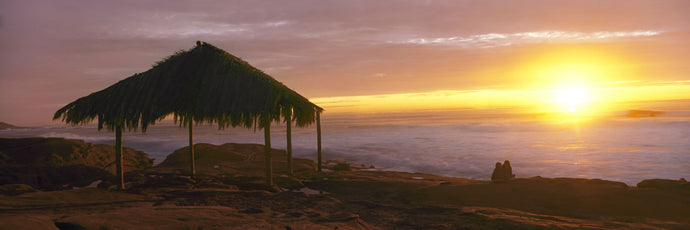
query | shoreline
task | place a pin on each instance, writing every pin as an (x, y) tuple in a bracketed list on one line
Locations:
[(229, 191), (462, 150), (359, 166)]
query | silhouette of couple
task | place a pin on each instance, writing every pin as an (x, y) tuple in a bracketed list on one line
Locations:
[(502, 172)]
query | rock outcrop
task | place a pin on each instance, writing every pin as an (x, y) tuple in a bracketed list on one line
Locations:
[(231, 158), (57, 163), (15, 189), (664, 184)]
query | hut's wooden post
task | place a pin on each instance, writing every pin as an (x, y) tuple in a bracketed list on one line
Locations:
[(289, 142), (118, 156), (318, 139), (267, 151), (191, 147)]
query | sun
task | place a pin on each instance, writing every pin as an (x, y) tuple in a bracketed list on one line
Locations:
[(571, 98)]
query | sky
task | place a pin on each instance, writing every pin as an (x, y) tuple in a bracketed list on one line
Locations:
[(356, 56)]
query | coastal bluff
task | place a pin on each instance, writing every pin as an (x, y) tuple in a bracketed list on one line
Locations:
[(58, 163), (228, 192)]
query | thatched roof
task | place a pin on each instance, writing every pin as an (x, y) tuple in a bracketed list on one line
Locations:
[(125, 103), (205, 84)]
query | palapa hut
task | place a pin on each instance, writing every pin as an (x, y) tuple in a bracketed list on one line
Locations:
[(203, 84)]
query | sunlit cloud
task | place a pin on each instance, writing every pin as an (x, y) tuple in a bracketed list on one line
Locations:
[(552, 36), (645, 83), (379, 75), (597, 99)]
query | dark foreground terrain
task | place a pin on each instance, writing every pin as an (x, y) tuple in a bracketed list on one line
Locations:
[(229, 193)]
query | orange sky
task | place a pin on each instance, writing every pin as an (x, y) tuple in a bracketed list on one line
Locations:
[(604, 75), (359, 56)]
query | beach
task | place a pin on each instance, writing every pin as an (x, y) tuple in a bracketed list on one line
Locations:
[(345, 115), (400, 174), (228, 193)]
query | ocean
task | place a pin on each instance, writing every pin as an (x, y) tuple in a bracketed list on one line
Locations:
[(460, 143)]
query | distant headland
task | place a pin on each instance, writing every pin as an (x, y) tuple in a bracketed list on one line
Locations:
[(643, 113), (4, 126)]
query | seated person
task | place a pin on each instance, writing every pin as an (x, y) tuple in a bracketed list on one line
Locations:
[(502, 172), (508, 170), (498, 174)]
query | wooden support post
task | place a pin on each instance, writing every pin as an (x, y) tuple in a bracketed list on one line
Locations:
[(318, 139), (191, 147), (118, 157), (289, 142), (267, 151)]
